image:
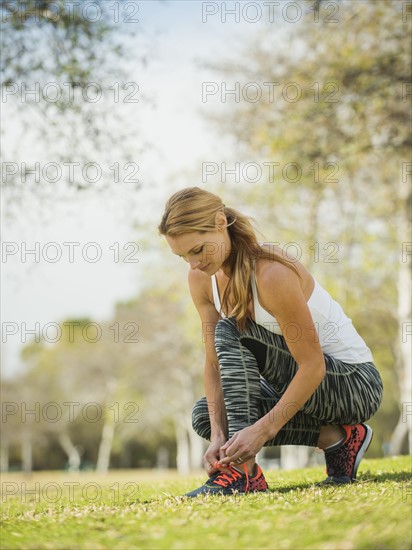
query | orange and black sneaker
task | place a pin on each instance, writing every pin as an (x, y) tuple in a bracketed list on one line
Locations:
[(235, 481), (342, 460)]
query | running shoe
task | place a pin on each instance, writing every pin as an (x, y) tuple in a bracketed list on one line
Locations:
[(235, 481), (342, 462)]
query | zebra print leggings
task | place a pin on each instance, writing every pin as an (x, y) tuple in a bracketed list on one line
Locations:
[(257, 367)]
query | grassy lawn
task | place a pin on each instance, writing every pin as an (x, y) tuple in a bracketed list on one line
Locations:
[(136, 509)]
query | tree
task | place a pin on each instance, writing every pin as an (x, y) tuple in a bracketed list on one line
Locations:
[(342, 116), (67, 98), (82, 384), (133, 379), (169, 371)]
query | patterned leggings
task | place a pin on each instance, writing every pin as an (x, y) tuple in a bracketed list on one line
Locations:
[(257, 367)]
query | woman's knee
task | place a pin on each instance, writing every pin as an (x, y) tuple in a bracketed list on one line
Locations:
[(200, 417), (373, 391)]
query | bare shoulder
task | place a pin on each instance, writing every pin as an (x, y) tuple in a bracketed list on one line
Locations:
[(280, 284), (275, 275)]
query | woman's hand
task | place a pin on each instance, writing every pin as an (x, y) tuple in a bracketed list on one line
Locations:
[(214, 453), (244, 444)]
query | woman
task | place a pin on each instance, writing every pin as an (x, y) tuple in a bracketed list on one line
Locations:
[(283, 366)]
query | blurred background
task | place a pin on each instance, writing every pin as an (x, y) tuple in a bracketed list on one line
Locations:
[(296, 113)]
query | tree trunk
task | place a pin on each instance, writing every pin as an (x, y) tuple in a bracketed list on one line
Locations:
[(293, 457), (398, 437), (404, 426), (196, 448), (71, 451), (27, 453), (4, 456), (162, 458), (183, 450), (105, 448)]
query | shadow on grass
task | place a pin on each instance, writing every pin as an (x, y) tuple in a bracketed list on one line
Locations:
[(386, 476), (366, 477), (283, 489)]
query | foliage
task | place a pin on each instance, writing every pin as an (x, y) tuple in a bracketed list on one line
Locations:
[(142, 374), (349, 132), (65, 97)]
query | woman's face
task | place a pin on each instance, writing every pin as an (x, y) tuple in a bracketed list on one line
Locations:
[(203, 251)]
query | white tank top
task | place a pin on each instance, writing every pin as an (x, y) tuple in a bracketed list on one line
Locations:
[(336, 333)]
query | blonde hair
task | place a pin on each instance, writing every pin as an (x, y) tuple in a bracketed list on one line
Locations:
[(194, 209)]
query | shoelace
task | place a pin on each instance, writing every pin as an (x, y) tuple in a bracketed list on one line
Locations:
[(224, 479)]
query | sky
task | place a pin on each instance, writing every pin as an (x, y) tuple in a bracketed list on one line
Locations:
[(76, 269), (88, 278)]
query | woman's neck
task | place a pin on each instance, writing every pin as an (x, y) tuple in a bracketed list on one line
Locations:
[(226, 270)]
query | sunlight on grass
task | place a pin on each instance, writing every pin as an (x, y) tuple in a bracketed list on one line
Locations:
[(145, 509)]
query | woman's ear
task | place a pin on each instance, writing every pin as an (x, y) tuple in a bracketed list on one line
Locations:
[(221, 221)]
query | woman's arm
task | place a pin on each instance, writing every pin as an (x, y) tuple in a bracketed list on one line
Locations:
[(281, 294), (215, 402), (212, 379)]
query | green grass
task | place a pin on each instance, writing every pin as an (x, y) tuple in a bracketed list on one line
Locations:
[(135, 509)]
